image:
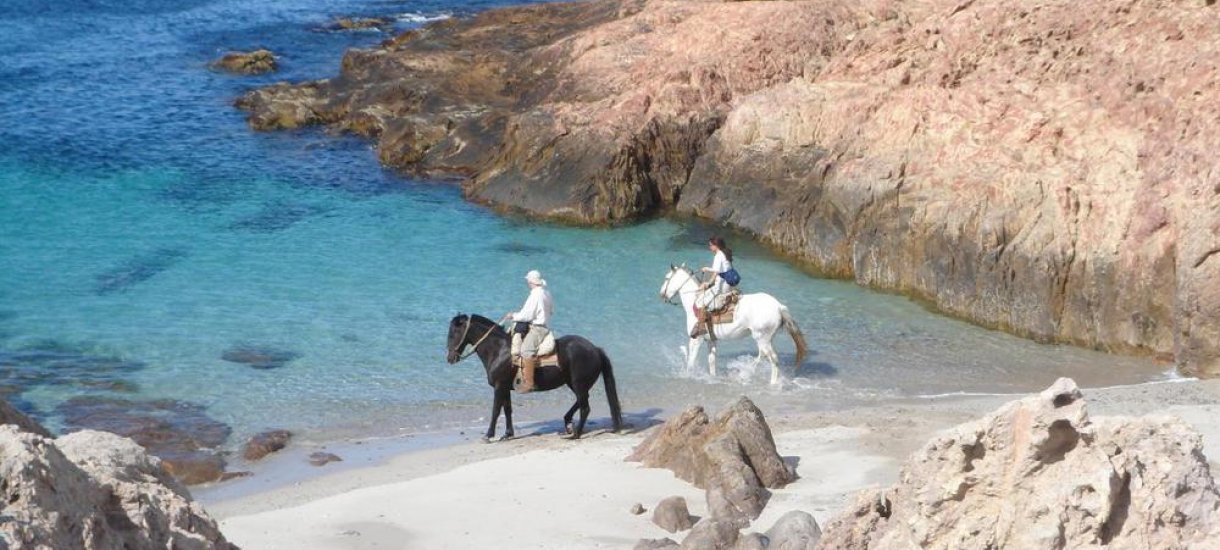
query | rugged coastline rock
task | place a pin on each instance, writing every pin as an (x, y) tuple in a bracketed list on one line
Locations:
[(1040, 473), (265, 443), (1045, 169), (249, 63), (733, 458), (94, 490)]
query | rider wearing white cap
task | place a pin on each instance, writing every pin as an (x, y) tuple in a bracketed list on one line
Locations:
[(537, 313)]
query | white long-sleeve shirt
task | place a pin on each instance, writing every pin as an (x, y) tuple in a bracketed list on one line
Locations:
[(537, 309), (721, 263)]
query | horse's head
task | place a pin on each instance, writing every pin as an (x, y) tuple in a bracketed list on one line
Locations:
[(675, 278), (459, 328)]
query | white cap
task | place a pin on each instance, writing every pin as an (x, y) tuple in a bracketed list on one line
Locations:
[(535, 277)]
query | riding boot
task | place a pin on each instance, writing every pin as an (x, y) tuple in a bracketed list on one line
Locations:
[(697, 330), (528, 365)]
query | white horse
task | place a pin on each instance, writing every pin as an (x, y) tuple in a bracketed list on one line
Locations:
[(759, 315)]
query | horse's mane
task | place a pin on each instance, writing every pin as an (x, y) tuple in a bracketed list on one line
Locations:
[(484, 322)]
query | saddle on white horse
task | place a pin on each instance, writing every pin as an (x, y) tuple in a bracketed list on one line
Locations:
[(725, 313)]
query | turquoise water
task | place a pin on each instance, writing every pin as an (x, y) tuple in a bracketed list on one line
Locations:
[(142, 222)]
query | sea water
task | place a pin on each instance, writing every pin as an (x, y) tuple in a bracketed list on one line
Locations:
[(146, 234)]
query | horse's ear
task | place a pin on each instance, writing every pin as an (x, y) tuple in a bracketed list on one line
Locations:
[(671, 267), (683, 265)]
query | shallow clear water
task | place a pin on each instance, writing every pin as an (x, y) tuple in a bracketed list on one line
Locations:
[(141, 221)]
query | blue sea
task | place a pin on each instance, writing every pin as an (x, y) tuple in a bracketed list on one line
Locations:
[(147, 236)]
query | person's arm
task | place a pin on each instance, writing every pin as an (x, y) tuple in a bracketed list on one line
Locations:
[(529, 310)]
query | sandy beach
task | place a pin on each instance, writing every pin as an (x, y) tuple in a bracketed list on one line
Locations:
[(541, 491)]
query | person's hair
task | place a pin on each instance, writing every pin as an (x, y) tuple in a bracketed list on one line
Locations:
[(724, 247)]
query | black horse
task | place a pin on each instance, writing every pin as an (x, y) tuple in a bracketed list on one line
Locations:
[(580, 363)]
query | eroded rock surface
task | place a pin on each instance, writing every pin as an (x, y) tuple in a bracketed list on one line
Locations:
[(1046, 169), (251, 63), (1039, 473), (94, 490), (734, 458)]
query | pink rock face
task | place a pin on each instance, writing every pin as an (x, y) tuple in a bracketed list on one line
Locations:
[(1046, 169), (1039, 473)]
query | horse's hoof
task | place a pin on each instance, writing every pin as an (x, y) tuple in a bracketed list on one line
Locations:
[(485, 439), (572, 437), (567, 429), (505, 437)]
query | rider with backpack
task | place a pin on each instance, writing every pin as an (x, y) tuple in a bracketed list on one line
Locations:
[(716, 290)]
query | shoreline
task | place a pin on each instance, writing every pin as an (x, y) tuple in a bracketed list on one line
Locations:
[(422, 493)]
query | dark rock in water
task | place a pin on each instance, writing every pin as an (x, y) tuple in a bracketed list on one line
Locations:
[(235, 475), (360, 23), (136, 270), (266, 443), (321, 459), (522, 249), (54, 364), (276, 217), (258, 357), (180, 433), (192, 467), (250, 63), (10, 415)]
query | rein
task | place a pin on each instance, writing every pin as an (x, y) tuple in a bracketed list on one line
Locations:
[(670, 299), (475, 347)]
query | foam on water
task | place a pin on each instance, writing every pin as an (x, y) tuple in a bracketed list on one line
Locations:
[(141, 220)]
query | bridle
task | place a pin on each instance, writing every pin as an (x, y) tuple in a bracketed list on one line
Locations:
[(475, 346), (669, 299)]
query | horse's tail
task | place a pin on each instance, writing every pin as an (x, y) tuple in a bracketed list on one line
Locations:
[(616, 412), (794, 330)]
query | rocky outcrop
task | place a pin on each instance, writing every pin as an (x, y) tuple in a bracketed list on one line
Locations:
[(796, 530), (672, 515), (734, 458), (1040, 473), (12, 416), (251, 63), (1044, 169), (265, 443), (94, 490)]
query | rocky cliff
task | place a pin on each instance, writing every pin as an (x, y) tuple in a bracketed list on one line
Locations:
[(1039, 167), (1041, 473), (92, 490)]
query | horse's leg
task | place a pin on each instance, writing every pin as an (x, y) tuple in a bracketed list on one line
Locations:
[(692, 353), (499, 397), (582, 400), (508, 413), (767, 349), (711, 357), (567, 418)]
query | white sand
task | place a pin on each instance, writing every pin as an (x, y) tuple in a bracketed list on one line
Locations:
[(546, 492)]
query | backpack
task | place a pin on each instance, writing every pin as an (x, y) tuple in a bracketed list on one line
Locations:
[(731, 277)]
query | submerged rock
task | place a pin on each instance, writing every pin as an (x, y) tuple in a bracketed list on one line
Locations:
[(94, 490), (259, 357), (323, 458), (136, 270), (734, 458), (12, 416), (181, 434), (1040, 473), (249, 63), (265, 443), (360, 23)]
